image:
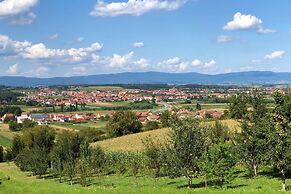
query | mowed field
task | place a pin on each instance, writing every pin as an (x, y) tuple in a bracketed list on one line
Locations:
[(134, 142)]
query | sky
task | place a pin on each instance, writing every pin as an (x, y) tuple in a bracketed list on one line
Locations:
[(48, 38)]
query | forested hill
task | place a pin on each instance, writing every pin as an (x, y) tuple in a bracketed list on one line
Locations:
[(238, 78)]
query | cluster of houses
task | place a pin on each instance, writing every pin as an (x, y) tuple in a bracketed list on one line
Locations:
[(67, 97), (49, 118)]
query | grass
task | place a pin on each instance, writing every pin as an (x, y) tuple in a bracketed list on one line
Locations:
[(21, 183), (134, 142), (6, 136), (80, 126)]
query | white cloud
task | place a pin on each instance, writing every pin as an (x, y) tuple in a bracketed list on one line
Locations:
[(15, 7), (176, 64), (134, 7), (24, 19), (28, 50), (196, 63), (138, 44), (118, 61), (13, 69), (243, 22), (275, 55), (173, 64), (125, 62), (54, 36), (224, 39), (211, 63), (142, 63)]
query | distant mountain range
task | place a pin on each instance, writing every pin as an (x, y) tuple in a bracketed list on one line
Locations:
[(238, 78)]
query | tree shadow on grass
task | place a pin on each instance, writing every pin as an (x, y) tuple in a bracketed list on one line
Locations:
[(211, 184)]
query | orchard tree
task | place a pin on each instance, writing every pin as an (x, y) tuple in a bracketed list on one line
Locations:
[(184, 149), (217, 163), (253, 140), (281, 139)]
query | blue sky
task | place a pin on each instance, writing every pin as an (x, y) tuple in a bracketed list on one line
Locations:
[(46, 38)]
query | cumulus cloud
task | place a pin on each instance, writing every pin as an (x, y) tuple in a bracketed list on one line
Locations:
[(209, 64), (174, 64), (224, 39), (14, 7), (13, 69), (142, 63), (134, 7), (125, 61), (247, 22), (275, 55), (138, 44), (243, 22), (28, 50), (24, 19), (196, 63)]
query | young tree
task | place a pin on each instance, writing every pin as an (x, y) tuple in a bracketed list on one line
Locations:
[(122, 123), (281, 141), (217, 163), (252, 141), (185, 148), (153, 151)]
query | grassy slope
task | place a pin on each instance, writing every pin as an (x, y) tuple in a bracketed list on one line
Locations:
[(6, 135), (133, 142), (20, 183)]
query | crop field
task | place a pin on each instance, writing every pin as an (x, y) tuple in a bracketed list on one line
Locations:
[(21, 183), (134, 142)]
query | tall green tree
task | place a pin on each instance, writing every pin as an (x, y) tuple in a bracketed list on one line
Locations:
[(238, 106), (281, 138), (123, 123), (185, 147), (217, 163), (252, 141)]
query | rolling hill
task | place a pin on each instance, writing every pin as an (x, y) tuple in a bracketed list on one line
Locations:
[(237, 78)]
